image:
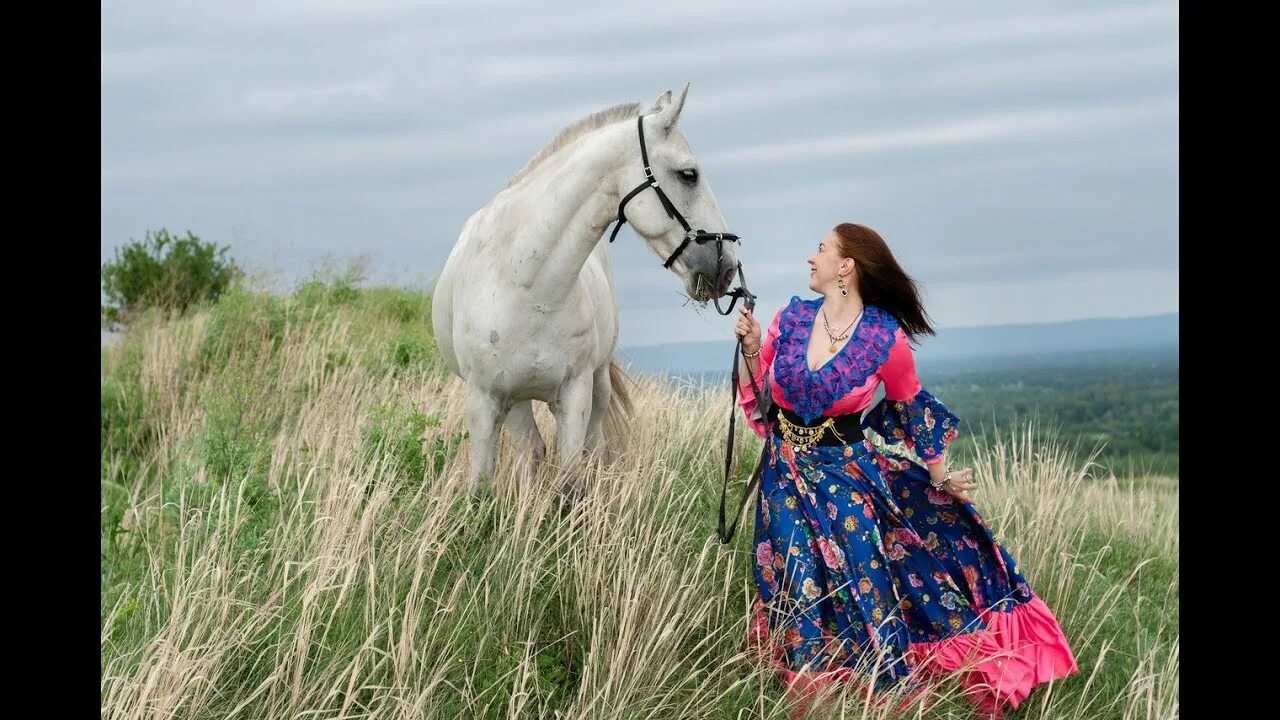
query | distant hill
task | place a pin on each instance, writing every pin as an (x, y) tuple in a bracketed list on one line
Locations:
[(1089, 341)]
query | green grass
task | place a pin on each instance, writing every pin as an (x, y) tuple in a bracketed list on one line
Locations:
[(285, 533)]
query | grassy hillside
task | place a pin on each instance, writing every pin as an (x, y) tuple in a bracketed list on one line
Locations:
[(1123, 406), (285, 532), (985, 346), (1127, 412)]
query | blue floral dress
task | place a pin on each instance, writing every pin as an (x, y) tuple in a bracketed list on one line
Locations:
[(864, 572)]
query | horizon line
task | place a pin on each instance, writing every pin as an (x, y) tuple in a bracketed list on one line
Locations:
[(961, 327)]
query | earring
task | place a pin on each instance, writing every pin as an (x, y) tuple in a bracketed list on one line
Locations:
[(840, 284)]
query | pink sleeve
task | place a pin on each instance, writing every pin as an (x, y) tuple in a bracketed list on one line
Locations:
[(899, 376), (746, 395), (898, 373)]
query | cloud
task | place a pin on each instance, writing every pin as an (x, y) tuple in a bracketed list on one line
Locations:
[(1003, 125), (1053, 64), (983, 138), (932, 34)]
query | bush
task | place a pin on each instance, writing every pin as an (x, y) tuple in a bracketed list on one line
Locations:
[(126, 436), (397, 433), (330, 287), (401, 305), (317, 293), (241, 326), (408, 351), (163, 271)]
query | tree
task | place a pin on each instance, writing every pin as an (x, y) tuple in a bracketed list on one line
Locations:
[(164, 271)]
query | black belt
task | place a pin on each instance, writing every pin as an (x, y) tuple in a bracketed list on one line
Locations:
[(847, 426)]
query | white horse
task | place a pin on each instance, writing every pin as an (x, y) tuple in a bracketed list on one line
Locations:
[(525, 307)]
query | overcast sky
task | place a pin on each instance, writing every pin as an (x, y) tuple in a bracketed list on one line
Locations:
[(1020, 158)]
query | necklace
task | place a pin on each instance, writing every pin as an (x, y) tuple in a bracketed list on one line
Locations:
[(844, 333)]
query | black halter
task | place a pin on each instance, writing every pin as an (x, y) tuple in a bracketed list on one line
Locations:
[(690, 235), (748, 299)]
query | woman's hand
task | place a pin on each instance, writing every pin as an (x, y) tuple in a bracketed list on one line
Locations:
[(960, 485), (749, 330)]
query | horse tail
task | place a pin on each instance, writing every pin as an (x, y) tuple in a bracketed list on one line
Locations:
[(618, 415)]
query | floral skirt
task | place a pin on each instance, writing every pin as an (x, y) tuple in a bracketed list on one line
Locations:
[(867, 575)]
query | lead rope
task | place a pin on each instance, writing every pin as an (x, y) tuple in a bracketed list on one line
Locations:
[(749, 301), (701, 237)]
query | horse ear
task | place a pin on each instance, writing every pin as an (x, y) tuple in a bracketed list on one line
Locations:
[(663, 101), (670, 113), (680, 105)]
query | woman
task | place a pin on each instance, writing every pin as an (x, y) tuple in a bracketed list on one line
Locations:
[(872, 567)]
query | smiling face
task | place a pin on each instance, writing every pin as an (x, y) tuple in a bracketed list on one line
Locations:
[(826, 266)]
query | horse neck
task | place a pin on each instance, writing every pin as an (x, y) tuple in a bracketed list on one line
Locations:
[(569, 202)]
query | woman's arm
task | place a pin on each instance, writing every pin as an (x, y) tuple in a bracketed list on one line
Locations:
[(761, 350), (748, 364), (916, 417)]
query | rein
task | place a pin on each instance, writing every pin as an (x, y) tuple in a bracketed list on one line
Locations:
[(761, 402), (741, 292)]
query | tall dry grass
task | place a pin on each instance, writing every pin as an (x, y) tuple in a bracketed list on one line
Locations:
[(290, 536)]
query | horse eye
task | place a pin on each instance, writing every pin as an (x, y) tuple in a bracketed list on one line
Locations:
[(689, 175)]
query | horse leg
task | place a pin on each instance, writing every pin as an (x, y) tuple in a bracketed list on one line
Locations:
[(524, 431), (572, 410), (485, 413), (601, 393)]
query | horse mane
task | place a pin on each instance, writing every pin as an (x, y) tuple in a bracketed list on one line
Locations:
[(577, 129)]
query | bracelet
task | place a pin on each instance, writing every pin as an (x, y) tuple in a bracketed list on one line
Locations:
[(945, 479), (748, 355)]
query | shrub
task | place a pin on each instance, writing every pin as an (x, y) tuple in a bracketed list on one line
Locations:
[(164, 271), (397, 432)]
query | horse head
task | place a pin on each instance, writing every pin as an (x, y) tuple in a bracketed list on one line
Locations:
[(706, 267)]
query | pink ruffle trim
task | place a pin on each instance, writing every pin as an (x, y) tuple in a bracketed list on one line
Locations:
[(998, 666), (804, 687)]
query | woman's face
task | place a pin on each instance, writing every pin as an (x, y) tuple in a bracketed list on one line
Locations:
[(824, 266)]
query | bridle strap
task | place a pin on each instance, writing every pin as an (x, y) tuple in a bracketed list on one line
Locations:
[(623, 218), (698, 236), (749, 300), (740, 292)]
